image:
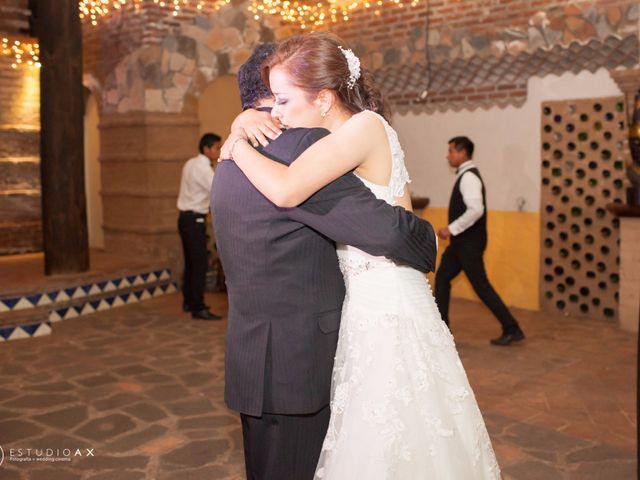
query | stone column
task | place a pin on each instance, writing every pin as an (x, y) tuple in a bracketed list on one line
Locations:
[(627, 79), (629, 273), (142, 155), (629, 82)]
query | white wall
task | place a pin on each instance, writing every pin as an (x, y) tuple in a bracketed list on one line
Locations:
[(92, 174), (507, 142)]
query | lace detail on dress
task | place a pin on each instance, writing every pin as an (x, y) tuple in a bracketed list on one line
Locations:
[(401, 404), (399, 174), (350, 267), (418, 402)]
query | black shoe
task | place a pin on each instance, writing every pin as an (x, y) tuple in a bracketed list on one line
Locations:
[(508, 338), (187, 308), (205, 314)]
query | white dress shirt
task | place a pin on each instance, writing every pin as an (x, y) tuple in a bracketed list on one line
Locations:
[(471, 190), (195, 185)]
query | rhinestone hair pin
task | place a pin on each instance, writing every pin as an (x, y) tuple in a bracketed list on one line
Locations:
[(354, 66)]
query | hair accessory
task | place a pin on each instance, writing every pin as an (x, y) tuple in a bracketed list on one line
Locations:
[(354, 66)]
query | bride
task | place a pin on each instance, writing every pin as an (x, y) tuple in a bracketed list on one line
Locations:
[(401, 404)]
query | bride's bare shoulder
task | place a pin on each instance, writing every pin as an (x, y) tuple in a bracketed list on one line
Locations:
[(363, 122)]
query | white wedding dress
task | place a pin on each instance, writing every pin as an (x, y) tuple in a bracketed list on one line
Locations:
[(401, 404)]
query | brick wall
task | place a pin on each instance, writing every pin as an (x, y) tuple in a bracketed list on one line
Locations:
[(450, 45), (463, 28), (14, 17), (20, 228), (111, 40), (387, 35)]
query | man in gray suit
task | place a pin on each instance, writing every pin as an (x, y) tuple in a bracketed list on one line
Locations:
[(286, 292)]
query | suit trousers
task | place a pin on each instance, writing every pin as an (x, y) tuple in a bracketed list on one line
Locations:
[(469, 259), (193, 233), (283, 447)]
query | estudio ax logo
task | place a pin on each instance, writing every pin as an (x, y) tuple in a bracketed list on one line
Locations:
[(1, 455)]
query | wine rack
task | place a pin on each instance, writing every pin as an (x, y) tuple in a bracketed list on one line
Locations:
[(584, 149)]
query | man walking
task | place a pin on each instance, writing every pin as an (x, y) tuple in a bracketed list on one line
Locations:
[(468, 232)]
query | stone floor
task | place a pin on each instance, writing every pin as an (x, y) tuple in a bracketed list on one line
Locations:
[(24, 273), (136, 393)]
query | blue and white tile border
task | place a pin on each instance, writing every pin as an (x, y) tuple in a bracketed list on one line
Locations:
[(38, 329), (67, 302), (107, 303), (35, 300)]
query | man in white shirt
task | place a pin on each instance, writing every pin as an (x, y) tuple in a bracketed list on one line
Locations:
[(467, 230), (193, 203)]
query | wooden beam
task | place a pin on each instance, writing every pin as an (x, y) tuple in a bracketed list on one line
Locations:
[(64, 222)]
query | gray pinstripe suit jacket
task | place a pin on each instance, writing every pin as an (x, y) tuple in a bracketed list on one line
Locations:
[(285, 288)]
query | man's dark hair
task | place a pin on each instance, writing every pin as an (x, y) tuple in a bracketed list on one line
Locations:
[(252, 88), (208, 140), (463, 143)]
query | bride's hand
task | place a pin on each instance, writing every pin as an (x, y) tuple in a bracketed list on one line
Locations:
[(258, 127), (226, 152)]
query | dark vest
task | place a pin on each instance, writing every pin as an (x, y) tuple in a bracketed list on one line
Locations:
[(476, 234)]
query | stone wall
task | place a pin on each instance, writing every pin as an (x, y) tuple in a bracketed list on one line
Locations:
[(461, 29), (457, 54), (432, 55), (168, 60)]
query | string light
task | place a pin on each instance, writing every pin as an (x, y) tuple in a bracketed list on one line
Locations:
[(23, 53), (93, 10), (309, 13), (27, 53), (306, 13)]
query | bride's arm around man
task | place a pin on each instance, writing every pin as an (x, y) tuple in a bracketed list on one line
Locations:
[(286, 293)]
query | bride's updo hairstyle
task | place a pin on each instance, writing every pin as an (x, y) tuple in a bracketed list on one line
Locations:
[(315, 61)]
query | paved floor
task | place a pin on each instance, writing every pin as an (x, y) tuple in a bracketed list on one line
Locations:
[(24, 273), (135, 393)]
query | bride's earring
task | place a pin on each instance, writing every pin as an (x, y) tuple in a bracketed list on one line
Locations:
[(324, 113)]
